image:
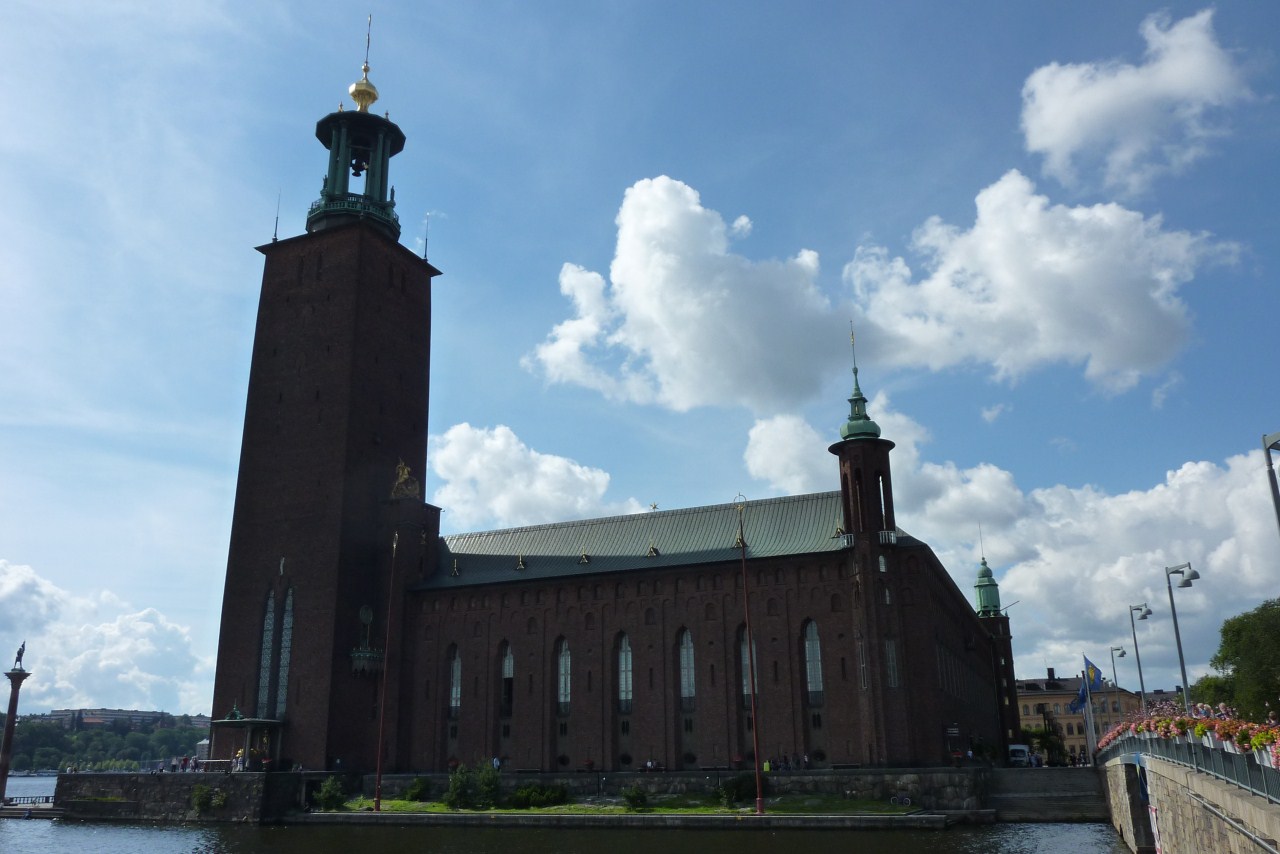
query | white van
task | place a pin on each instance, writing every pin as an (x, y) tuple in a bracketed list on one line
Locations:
[(1019, 756)]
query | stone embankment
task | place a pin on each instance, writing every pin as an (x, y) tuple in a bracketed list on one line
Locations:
[(1047, 794)]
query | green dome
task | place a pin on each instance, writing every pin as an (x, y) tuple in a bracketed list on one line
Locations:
[(988, 591), (859, 425)]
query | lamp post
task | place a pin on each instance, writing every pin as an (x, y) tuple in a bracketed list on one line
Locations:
[(1143, 613), (1188, 575), (1270, 443), (1115, 683), (386, 662), (741, 503)]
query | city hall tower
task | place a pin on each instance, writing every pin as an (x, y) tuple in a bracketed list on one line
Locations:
[(328, 526)]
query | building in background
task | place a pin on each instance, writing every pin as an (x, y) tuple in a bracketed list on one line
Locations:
[(1046, 703)]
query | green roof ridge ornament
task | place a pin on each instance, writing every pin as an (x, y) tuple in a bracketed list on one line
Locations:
[(859, 425)]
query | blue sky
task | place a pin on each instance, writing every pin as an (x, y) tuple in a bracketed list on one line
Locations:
[(1053, 226)]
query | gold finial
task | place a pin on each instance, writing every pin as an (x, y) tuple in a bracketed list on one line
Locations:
[(362, 91)]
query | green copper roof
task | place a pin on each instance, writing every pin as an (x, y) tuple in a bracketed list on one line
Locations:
[(859, 425), (801, 524), (988, 591)]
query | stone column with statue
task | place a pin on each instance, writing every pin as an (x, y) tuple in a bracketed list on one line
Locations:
[(16, 677)]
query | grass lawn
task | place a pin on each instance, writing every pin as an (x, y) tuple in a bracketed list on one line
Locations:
[(663, 804)]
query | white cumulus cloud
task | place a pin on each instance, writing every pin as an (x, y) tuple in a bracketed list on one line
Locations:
[(683, 322), (1134, 121), (94, 650), (789, 454), (492, 478), (1032, 283)]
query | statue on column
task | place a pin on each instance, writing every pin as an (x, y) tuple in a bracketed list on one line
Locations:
[(17, 661)]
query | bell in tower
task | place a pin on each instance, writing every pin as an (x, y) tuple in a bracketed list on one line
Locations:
[(361, 146)]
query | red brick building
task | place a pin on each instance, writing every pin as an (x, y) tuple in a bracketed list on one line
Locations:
[(347, 620)]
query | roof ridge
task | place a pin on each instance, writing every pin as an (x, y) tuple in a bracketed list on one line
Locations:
[(596, 520)]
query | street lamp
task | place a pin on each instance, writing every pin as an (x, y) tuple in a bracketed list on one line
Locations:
[(1188, 575), (1270, 443), (1115, 683), (1143, 613)]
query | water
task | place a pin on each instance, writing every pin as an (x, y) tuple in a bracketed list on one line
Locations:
[(39, 836)]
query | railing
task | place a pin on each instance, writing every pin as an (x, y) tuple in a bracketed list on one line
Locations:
[(23, 800), (1240, 769), (355, 203)]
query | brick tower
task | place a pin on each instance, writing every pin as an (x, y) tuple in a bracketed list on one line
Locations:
[(335, 431)]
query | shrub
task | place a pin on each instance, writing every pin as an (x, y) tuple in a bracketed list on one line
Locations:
[(461, 794), (488, 787), (201, 798), (219, 799), (535, 795), (418, 790), (637, 798), (737, 789), (331, 794)]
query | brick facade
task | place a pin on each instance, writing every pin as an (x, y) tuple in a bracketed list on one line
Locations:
[(338, 395)]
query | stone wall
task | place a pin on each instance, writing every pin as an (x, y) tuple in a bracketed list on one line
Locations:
[(930, 788), (1194, 812), (170, 797)]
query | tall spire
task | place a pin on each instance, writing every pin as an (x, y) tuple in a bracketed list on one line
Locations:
[(859, 425), (363, 92)]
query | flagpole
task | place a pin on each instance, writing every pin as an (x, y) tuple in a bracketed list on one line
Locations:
[(1090, 738)]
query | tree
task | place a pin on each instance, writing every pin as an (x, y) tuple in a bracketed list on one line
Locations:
[(1249, 655), (1214, 688)]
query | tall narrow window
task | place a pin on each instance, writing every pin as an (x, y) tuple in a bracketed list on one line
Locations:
[(686, 671), (507, 695), (813, 663), (624, 675), (562, 677), (286, 647), (862, 664), (455, 682), (891, 662), (264, 662), (749, 674)]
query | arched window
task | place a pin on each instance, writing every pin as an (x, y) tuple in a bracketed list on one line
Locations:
[(749, 673), (813, 663), (1026, 710), (891, 662), (286, 647), (508, 689), (686, 671), (455, 681), (624, 675), (264, 661), (562, 676)]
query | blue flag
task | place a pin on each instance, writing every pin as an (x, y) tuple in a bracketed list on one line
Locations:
[(1093, 676), (1078, 703)]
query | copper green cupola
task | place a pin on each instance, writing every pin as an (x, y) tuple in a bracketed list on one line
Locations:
[(361, 146), (988, 592), (859, 425)]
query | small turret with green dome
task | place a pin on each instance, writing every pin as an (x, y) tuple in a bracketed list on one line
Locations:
[(859, 425), (988, 591)]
